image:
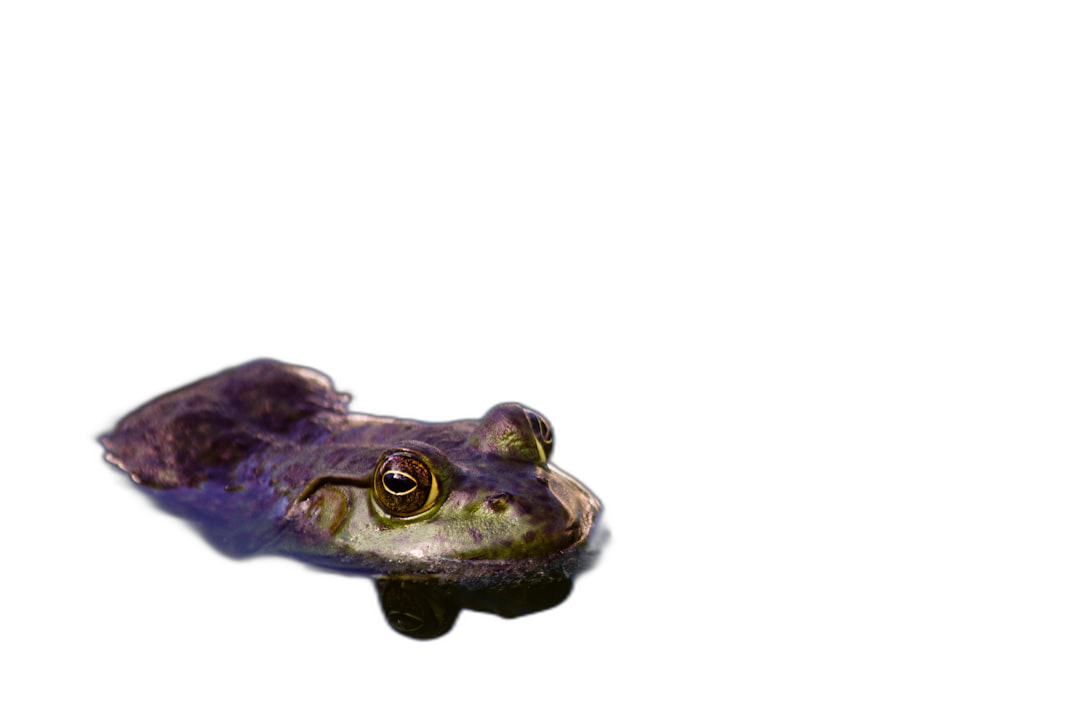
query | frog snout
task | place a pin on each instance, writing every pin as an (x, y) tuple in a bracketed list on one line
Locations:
[(580, 505)]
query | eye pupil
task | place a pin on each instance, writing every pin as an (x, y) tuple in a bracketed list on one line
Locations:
[(399, 483)]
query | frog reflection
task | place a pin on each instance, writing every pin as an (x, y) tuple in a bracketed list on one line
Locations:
[(264, 457), (426, 607)]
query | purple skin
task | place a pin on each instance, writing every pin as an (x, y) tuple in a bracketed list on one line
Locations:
[(264, 457)]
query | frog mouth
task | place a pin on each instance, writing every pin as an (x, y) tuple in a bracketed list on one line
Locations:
[(340, 512)]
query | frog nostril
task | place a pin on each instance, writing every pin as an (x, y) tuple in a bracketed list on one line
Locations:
[(498, 502)]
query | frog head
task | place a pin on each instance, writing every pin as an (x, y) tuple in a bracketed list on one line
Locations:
[(465, 497)]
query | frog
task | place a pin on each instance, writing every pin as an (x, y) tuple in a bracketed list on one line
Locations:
[(265, 457)]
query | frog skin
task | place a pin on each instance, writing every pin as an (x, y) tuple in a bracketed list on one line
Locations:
[(264, 457)]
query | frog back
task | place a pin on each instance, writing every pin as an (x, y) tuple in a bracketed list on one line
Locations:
[(206, 451)]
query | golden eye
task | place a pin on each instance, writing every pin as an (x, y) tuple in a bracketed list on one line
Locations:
[(545, 439), (404, 484)]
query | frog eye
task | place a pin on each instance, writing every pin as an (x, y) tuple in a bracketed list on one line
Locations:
[(515, 432), (404, 484), (541, 428)]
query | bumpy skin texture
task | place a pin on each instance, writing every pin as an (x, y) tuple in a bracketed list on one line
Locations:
[(265, 457)]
